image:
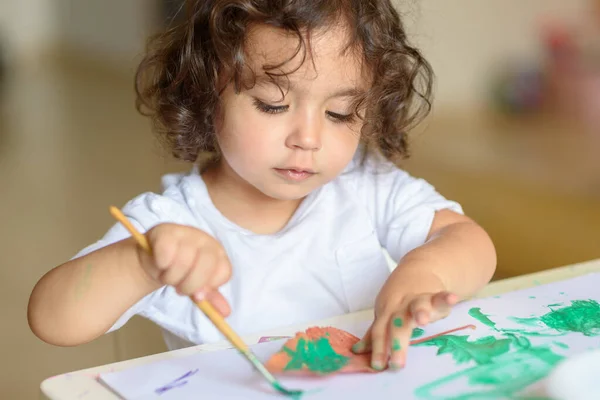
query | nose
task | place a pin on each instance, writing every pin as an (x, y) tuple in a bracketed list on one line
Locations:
[(305, 134)]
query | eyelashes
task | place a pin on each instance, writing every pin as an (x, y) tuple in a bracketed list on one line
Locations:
[(271, 109)]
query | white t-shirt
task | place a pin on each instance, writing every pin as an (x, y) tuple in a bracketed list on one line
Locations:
[(327, 261)]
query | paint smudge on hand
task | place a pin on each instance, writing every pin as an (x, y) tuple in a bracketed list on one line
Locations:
[(319, 351), (417, 333)]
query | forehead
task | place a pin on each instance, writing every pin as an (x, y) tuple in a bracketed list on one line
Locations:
[(326, 59)]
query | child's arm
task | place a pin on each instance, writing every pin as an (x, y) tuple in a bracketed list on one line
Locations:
[(457, 260), (80, 300)]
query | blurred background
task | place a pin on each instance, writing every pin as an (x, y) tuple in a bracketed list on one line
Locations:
[(514, 136)]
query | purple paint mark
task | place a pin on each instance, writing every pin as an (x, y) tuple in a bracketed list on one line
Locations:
[(82, 395), (176, 383), (272, 338)]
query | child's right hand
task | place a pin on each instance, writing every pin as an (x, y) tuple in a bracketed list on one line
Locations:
[(188, 259)]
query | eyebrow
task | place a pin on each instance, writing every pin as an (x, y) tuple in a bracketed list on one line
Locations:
[(282, 82)]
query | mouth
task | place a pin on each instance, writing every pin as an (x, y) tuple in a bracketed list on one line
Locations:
[(295, 174)]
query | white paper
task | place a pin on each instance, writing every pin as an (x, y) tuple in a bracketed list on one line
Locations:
[(227, 375)]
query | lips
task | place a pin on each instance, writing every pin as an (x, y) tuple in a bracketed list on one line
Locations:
[(295, 174)]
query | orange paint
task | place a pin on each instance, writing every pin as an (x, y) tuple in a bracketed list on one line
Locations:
[(341, 342)]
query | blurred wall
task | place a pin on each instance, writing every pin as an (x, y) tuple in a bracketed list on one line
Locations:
[(465, 40)]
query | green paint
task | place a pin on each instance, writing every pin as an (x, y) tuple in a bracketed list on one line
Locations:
[(562, 293), (582, 316), (85, 282), (358, 347), (294, 394), (532, 297), (481, 317), (417, 333), (537, 283), (508, 374), (396, 346), (501, 367), (398, 322), (299, 395), (317, 355), (481, 351)]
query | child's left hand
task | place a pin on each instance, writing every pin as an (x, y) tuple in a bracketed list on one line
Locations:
[(389, 335)]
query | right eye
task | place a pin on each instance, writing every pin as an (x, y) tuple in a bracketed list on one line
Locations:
[(267, 108)]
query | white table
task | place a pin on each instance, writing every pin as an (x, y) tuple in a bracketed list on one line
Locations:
[(83, 385)]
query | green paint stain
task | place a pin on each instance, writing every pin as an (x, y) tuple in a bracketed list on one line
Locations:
[(537, 283), (505, 366), (561, 345), (562, 293), (582, 316), (532, 297), (481, 317), (556, 305), (417, 333), (509, 373), (85, 283), (317, 355), (396, 346), (293, 394), (398, 322), (480, 351)]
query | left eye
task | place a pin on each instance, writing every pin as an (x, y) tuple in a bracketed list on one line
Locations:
[(267, 108), (340, 118)]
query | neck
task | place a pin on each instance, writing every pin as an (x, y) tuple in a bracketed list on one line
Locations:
[(243, 204)]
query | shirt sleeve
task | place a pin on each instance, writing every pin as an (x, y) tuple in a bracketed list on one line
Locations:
[(144, 212), (402, 207)]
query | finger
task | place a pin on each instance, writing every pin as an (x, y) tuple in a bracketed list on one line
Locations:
[(199, 274), (180, 266), (364, 345), (442, 304), (165, 249), (421, 309), (221, 274), (379, 343), (399, 331), (219, 302)]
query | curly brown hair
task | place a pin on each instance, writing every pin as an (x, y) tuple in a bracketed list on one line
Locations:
[(177, 82)]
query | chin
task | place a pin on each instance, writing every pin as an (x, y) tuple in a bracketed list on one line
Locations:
[(287, 193)]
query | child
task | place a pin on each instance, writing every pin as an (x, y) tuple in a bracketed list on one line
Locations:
[(303, 107)]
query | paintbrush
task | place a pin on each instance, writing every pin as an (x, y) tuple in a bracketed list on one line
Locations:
[(212, 314)]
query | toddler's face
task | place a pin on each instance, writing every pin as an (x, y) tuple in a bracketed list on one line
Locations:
[(287, 147)]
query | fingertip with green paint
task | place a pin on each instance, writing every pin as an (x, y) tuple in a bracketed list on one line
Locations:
[(398, 322), (358, 347), (377, 365), (396, 346)]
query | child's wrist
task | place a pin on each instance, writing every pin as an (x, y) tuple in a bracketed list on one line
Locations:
[(138, 269)]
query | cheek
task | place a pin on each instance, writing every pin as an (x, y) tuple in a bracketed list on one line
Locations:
[(245, 136), (342, 147)]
